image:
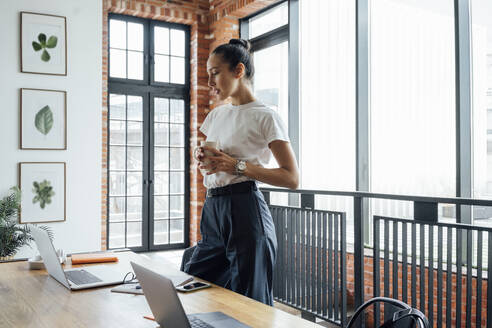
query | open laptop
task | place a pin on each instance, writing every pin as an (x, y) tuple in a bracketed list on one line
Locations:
[(73, 279), (167, 308)]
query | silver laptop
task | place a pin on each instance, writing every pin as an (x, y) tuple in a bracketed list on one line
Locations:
[(73, 279), (167, 308)]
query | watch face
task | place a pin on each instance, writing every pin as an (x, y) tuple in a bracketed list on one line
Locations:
[(241, 165)]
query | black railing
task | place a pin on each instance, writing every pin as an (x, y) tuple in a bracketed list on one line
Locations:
[(432, 258), (305, 280), (311, 262)]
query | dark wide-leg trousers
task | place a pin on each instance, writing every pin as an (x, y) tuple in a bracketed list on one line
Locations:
[(238, 245)]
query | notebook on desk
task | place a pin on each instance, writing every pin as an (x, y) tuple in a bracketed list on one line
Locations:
[(86, 258)]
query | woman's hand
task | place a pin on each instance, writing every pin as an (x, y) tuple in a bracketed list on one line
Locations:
[(217, 162)]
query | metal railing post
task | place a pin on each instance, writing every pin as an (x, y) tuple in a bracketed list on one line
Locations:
[(358, 253)]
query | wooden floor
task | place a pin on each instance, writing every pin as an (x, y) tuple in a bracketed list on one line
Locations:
[(173, 257)]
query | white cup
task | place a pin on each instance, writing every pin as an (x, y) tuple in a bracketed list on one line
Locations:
[(210, 144)]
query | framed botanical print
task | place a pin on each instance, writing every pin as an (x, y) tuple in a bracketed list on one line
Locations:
[(43, 44), (43, 119), (43, 189)]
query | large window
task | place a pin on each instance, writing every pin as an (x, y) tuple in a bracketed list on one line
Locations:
[(148, 134), (481, 28), (412, 101)]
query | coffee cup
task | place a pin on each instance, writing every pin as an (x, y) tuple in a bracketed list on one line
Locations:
[(210, 144)]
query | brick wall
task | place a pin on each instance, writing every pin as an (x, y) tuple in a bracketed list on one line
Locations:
[(212, 22)]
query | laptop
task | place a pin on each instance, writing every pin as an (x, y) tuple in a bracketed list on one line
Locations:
[(167, 308), (73, 279)]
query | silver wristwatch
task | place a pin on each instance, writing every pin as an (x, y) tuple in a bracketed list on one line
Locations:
[(240, 167)]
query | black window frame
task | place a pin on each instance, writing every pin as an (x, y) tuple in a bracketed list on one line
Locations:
[(149, 89)]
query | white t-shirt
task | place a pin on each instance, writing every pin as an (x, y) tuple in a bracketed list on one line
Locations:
[(244, 133)]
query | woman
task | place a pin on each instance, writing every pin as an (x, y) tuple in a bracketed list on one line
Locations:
[(238, 245)]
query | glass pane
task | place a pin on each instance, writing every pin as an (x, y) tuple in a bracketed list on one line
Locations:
[(161, 207), (177, 182), (161, 183), (135, 36), (117, 157), (117, 132), (117, 107), (271, 78), (135, 133), (270, 20), (161, 110), (134, 234), (134, 183), (117, 63), (135, 65), (135, 108), (413, 110), (481, 11), (117, 183), (117, 34), (177, 206), (161, 235), (116, 235), (161, 134), (177, 231), (177, 70), (327, 123), (134, 210), (177, 134), (135, 158), (161, 40), (161, 158), (177, 159), (116, 209), (177, 110), (161, 68), (177, 42)]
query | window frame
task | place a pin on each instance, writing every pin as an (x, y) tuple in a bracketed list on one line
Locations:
[(148, 90)]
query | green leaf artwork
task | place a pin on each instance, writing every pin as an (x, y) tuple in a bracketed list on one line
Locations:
[(44, 120), (43, 44), (43, 192)]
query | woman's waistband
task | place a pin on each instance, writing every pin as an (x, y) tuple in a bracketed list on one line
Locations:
[(235, 188)]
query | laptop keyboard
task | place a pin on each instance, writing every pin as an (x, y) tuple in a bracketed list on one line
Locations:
[(197, 323), (81, 277)]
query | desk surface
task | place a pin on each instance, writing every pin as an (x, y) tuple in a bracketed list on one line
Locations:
[(33, 299)]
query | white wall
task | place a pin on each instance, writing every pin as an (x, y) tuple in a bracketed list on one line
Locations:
[(82, 229)]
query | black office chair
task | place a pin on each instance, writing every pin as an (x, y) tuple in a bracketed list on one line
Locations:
[(186, 256), (406, 317)]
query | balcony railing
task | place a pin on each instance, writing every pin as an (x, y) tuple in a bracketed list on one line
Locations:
[(420, 260)]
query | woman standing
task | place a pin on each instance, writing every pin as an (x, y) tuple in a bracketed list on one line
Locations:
[(238, 245)]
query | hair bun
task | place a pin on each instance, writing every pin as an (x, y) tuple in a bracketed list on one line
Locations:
[(241, 42)]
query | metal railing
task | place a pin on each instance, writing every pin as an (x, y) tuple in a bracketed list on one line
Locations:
[(418, 268), (305, 280), (310, 269)]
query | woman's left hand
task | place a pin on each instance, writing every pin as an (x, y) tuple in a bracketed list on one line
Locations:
[(218, 162)]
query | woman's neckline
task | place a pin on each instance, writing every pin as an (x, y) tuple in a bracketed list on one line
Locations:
[(251, 103)]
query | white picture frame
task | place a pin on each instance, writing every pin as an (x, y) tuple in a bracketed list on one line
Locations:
[(43, 188), (43, 44), (43, 119)]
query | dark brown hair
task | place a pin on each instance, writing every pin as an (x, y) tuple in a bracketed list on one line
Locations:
[(235, 52)]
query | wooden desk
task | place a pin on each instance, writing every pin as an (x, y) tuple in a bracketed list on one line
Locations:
[(33, 299)]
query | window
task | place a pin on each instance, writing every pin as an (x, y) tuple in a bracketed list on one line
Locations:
[(327, 101), (412, 101), (269, 20), (481, 30), (148, 134)]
